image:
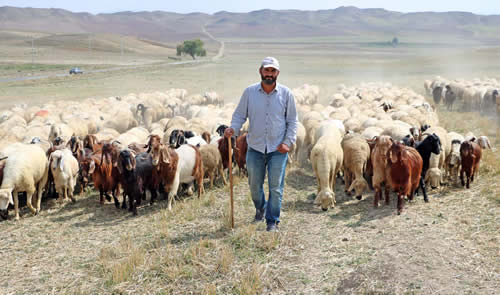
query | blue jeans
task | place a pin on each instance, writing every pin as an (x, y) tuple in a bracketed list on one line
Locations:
[(275, 163)]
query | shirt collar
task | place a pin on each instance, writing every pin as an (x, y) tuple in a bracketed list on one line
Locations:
[(274, 90)]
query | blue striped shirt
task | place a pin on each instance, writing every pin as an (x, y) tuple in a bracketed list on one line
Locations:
[(272, 117)]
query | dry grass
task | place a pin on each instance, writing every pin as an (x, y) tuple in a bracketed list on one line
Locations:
[(447, 246)]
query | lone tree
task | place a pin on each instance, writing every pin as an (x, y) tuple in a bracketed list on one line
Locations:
[(191, 47)]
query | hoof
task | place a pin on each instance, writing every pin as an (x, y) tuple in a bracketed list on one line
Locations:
[(399, 212), (4, 214), (324, 209), (359, 197)]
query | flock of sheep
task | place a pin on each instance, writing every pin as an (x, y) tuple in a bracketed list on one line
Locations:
[(159, 141), (364, 122), (475, 95)]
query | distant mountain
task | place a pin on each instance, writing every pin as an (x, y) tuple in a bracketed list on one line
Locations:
[(340, 22)]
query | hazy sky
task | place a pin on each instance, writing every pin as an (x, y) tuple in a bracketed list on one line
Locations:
[(211, 6)]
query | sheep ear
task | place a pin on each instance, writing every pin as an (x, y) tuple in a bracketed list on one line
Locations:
[(61, 162), (91, 167), (165, 156)]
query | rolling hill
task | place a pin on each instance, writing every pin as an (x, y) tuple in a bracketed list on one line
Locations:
[(342, 22)]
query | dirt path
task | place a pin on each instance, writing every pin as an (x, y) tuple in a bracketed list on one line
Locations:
[(220, 53)]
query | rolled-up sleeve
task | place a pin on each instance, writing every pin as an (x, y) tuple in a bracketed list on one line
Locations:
[(240, 114), (291, 121)]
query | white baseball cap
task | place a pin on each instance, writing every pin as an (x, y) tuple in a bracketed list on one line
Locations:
[(270, 62)]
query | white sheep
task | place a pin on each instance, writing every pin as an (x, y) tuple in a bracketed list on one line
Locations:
[(326, 159), (329, 127), (298, 145), (356, 156), (453, 161), (64, 168), (26, 170), (60, 130), (212, 163), (196, 141)]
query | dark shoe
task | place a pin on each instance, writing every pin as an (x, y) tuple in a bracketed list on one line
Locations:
[(259, 215), (272, 227)]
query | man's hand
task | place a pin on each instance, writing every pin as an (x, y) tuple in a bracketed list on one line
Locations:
[(229, 132), (282, 148)]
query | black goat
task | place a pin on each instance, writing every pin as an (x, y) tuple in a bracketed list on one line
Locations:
[(144, 170), (430, 144), (408, 140), (424, 127), (220, 130), (128, 177), (177, 138)]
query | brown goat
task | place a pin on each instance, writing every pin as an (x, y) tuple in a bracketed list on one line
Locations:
[(470, 153), (90, 141), (380, 171), (104, 175), (206, 136), (405, 168), (240, 153), (222, 144), (165, 161)]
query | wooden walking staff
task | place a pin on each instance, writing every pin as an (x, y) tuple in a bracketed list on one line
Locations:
[(230, 168)]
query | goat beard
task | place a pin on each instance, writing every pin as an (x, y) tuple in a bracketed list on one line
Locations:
[(267, 81)]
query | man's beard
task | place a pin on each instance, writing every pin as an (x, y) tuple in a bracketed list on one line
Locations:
[(268, 81)]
